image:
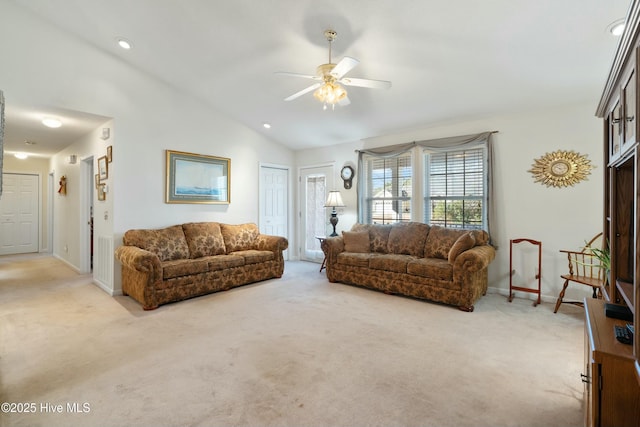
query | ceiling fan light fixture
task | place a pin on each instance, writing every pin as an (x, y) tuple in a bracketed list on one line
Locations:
[(330, 93), (330, 79)]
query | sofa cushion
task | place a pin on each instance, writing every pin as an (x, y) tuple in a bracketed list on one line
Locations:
[(253, 256), (391, 262), (222, 262), (354, 259), (379, 238), (431, 268), (183, 267), (356, 241), (464, 242), (440, 241), (204, 239), (408, 239), (167, 243), (378, 235), (239, 237)]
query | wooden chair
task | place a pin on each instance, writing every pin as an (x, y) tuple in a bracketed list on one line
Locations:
[(585, 269)]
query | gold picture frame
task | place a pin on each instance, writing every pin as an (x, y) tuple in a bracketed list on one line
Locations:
[(109, 153), (103, 168), (197, 178)]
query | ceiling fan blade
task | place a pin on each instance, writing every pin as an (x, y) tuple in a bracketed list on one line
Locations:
[(303, 91), (345, 65), (372, 84), (304, 76)]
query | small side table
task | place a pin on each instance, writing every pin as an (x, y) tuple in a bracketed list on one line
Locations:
[(324, 261)]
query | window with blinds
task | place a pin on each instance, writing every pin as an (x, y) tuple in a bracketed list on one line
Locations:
[(455, 193), (388, 189)]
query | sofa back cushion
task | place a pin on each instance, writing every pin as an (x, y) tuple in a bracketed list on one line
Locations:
[(240, 237), (356, 241), (378, 236), (440, 241), (408, 238), (167, 243), (204, 239)]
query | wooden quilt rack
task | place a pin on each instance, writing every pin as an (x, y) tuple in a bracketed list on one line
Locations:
[(538, 275)]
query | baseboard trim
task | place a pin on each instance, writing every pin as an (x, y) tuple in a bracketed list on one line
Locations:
[(106, 288)]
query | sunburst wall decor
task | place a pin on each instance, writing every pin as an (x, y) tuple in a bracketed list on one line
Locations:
[(561, 168)]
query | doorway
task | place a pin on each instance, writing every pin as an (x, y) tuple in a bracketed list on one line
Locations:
[(315, 183), (86, 215), (274, 201), (19, 213)]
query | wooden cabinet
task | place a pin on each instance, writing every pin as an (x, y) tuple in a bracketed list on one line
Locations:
[(618, 107), (612, 394), (621, 117)]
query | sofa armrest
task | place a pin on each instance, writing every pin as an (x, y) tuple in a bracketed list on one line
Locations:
[(474, 259), (140, 260), (266, 242), (332, 246)]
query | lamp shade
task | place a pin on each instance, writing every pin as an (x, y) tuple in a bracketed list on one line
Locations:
[(334, 200)]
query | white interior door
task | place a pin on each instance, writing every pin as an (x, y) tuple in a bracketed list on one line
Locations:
[(315, 183), (274, 197), (19, 214)]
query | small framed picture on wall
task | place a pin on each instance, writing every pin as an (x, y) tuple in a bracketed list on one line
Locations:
[(103, 168)]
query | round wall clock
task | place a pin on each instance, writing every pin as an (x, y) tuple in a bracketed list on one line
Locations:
[(347, 176), (561, 168)]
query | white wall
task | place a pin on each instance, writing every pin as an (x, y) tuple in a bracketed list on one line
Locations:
[(561, 218), (44, 66)]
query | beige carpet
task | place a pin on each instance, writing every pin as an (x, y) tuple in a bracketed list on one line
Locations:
[(297, 351)]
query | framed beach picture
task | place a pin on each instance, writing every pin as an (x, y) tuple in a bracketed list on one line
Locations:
[(103, 168), (197, 178)]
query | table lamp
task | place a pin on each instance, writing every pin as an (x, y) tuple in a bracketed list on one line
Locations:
[(334, 201)]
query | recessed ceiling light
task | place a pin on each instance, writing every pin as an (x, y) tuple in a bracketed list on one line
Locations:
[(30, 143), (267, 125), (124, 43), (21, 156), (51, 122), (616, 28)]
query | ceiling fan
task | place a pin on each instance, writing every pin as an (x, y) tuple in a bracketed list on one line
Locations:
[(330, 77)]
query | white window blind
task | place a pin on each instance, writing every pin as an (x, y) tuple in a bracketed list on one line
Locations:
[(389, 186), (455, 188)]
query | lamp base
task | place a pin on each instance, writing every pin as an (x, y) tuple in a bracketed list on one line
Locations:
[(334, 221)]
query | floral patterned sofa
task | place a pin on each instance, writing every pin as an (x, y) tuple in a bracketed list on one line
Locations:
[(183, 261), (413, 259)]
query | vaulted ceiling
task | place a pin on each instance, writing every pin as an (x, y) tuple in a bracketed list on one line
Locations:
[(447, 60)]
